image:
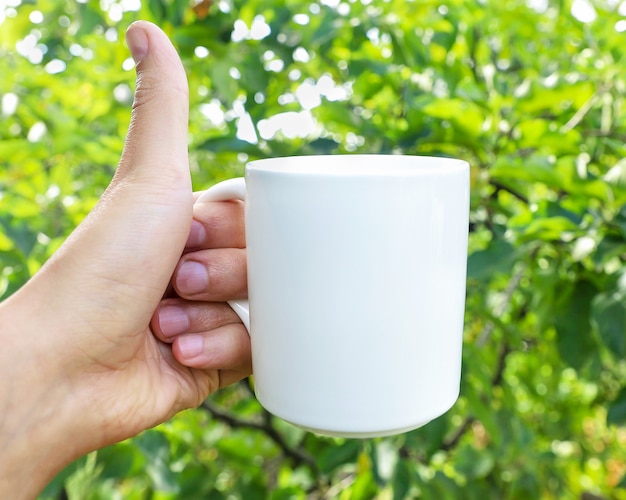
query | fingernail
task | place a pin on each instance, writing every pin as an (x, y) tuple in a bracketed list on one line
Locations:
[(197, 234), (172, 320), (137, 41), (190, 345), (191, 278)]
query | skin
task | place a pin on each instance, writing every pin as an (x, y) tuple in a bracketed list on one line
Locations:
[(126, 324)]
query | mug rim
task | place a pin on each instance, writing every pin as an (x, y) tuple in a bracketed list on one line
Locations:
[(358, 164)]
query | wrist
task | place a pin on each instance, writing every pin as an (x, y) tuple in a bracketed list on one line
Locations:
[(36, 415)]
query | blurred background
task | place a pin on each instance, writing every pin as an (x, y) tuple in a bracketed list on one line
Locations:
[(530, 92)]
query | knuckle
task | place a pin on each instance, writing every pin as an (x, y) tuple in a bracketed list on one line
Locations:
[(223, 222), (228, 272), (151, 87)]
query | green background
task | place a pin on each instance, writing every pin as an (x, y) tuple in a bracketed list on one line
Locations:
[(531, 93)]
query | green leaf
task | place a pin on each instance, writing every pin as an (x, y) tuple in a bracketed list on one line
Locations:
[(401, 480), (610, 246), (498, 258), (334, 456), (572, 320), (465, 115), (364, 488), (195, 481), (617, 411), (90, 18), (537, 168), (619, 220), (53, 489), (475, 464), (548, 229), (429, 438), (441, 487), (609, 316), (156, 448), (287, 494), (622, 483), (119, 461), (384, 459), (225, 86), (22, 236)]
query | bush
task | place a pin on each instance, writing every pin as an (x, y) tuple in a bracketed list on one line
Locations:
[(530, 93)]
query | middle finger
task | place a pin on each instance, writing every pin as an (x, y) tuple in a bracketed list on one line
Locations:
[(213, 275)]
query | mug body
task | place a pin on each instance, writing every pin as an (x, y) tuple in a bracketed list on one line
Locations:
[(356, 280)]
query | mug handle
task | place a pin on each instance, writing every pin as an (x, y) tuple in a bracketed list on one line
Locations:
[(231, 189)]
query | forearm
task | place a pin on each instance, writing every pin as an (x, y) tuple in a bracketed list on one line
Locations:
[(34, 416), (30, 457)]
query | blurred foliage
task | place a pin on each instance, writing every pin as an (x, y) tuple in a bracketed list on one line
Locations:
[(531, 93)]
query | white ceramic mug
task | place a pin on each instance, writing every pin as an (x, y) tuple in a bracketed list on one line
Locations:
[(356, 283)]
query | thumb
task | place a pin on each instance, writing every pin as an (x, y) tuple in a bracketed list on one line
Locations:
[(122, 256), (156, 146)]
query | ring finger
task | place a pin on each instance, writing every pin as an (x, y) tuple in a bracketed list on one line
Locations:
[(175, 317)]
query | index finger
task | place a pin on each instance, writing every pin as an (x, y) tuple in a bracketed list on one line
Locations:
[(217, 224)]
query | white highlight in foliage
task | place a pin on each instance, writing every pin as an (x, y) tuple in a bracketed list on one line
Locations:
[(36, 132), (245, 126), (538, 5), (213, 112), (240, 31), (128, 64), (36, 17), (9, 103), (258, 31), (301, 55), (308, 95), (301, 19), (30, 47), (201, 52), (55, 66), (123, 93), (290, 124), (584, 11)]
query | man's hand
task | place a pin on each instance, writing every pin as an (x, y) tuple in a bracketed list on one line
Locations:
[(81, 366)]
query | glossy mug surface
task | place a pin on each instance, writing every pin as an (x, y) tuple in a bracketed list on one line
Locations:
[(356, 282)]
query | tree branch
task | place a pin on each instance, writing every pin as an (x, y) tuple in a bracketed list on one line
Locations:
[(296, 455), (501, 187), (453, 441), (584, 109)]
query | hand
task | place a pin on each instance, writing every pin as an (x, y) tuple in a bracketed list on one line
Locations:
[(81, 366), (203, 330)]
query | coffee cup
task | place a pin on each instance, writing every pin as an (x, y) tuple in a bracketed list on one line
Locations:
[(356, 288)]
